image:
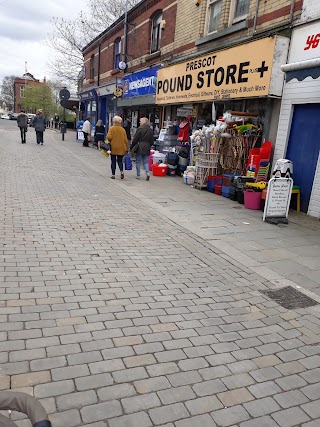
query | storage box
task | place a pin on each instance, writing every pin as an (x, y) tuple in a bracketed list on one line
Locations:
[(158, 170)]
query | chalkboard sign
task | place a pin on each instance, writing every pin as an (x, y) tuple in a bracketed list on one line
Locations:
[(278, 200)]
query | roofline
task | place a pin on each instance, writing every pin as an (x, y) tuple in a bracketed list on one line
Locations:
[(113, 25)]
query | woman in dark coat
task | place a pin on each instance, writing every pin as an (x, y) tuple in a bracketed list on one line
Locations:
[(143, 137), (39, 123)]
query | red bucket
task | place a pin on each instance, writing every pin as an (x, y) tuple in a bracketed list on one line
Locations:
[(218, 189)]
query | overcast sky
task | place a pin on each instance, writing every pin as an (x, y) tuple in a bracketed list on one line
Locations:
[(24, 25)]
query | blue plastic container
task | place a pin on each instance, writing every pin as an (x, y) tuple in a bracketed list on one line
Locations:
[(225, 191), (210, 186)]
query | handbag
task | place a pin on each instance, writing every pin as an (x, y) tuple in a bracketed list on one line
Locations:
[(106, 146), (134, 149), (127, 162), (89, 138)]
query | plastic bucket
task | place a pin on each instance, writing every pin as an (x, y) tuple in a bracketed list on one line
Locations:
[(159, 170), (158, 158), (252, 200), (218, 189)]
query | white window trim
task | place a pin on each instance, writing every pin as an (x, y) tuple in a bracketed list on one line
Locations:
[(207, 23), (157, 15), (232, 19)]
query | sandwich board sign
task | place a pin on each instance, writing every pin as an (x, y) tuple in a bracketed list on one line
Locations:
[(278, 200)]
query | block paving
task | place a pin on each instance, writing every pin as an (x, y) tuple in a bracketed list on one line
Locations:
[(112, 315)]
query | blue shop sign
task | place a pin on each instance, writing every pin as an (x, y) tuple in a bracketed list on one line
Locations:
[(90, 94), (141, 83)]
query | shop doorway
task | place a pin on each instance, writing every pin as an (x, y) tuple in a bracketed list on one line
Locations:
[(303, 148)]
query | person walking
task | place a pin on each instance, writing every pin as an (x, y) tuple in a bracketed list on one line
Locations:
[(56, 121), (99, 134), (39, 123), (144, 139), (127, 127), (118, 140), (22, 121), (86, 129)]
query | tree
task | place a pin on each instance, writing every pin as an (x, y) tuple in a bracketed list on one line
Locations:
[(68, 38), (7, 91), (38, 96)]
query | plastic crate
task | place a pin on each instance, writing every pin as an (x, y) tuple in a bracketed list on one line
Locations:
[(227, 180), (159, 170)]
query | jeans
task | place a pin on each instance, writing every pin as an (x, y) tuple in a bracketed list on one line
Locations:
[(39, 137), (23, 132), (144, 159), (114, 160)]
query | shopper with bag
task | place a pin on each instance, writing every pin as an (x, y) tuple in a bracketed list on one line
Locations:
[(118, 141), (141, 146), (99, 134), (86, 129)]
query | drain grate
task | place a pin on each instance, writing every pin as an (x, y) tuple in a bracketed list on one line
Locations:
[(290, 298)]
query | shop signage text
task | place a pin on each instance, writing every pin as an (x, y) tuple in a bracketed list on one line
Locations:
[(141, 83), (239, 72), (305, 43)]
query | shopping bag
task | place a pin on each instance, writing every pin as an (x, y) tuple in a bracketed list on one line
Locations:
[(128, 163), (105, 153)]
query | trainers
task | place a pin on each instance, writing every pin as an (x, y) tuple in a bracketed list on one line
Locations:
[(113, 177), (138, 177), (148, 177), (122, 175)]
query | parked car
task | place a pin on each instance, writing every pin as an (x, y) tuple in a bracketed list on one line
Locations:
[(30, 118), (13, 116), (5, 116)]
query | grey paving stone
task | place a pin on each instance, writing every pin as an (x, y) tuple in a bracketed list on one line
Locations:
[(176, 394), (237, 381), (105, 366), (198, 421), (267, 388), (140, 403), (168, 413), (290, 355), (208, 388), (139, 419), (311, 362), (170, 356), (193, 364), (291, 382), (93, 382), (312, 391), (184, 378), (68, 418), (68, 372), (229, 416), (202, 405), (117, 391), (312, 409), (56, 388), (76, 400), (312, 376), (290, 398), (260, 422), (290, 417), (152, 384), (265, 374), (101, 411), (235, 397), (129, 375), (260, 407), (162, 369), (214, 372)]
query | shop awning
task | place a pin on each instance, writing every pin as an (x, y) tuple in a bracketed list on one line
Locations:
[(301, 70)]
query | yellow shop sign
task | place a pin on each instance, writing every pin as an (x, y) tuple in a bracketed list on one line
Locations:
[(240, 72)]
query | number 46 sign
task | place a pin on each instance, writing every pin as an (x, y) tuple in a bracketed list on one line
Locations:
[(312, 41)]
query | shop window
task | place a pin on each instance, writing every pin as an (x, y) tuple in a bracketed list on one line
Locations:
[(214, 12), (92, 67), (156, 32), (239, 10), (117, 52)]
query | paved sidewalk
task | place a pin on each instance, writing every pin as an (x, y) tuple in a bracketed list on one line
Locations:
[(118, 308)]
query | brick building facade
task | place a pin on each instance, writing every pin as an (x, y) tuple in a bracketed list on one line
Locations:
[(19, 87), (189, 29)]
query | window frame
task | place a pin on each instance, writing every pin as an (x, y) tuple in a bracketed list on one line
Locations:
[(22, 90), (208, 14), (156, 26), (117, 53), (92, 70), (235, 19)]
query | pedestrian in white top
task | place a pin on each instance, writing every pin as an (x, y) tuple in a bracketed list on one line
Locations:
[(86, 129)]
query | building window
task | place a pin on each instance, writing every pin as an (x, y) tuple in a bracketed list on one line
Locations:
[(117, 52), (92, 67), (214, 12), (22, 89), (241, 8), (156, 32)]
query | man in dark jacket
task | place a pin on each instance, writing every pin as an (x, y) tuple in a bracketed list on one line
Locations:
[(39, 123), (144, 139), (22, 121), (127, 127)]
